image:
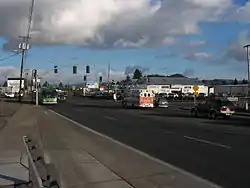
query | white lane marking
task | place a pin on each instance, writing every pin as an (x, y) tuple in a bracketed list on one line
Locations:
[(111, 118), (139, 152), (208, 142)]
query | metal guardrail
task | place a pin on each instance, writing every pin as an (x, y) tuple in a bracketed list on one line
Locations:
[(38, 174)]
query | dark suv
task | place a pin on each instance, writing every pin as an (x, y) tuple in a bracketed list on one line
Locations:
[(214, 108)]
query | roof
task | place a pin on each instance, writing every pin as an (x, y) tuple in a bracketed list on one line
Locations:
[(14, 78), (172, 81)]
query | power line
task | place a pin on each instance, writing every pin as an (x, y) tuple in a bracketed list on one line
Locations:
[(10, 56)]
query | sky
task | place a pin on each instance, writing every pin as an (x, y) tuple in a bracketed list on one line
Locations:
[(197, 38)]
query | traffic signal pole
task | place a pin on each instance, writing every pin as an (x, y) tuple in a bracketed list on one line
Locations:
[(248, 77), (36, 85)]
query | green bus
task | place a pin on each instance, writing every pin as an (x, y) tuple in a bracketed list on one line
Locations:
[(48, 96)]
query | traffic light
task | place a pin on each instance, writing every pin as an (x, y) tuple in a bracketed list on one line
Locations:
[(34, 73), (85, 78), (87, 69), (100, 79), (74, 69), (55, 69)]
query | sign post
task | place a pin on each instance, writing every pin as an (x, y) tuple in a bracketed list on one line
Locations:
[(196, 93)]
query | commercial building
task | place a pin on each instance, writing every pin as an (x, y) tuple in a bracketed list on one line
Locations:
[(231, 90), (175, 84)]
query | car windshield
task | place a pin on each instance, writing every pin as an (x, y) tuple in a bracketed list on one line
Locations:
[(162, 100), (226, 103)]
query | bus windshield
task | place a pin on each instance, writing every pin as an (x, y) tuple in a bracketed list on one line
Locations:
[(49, 94)]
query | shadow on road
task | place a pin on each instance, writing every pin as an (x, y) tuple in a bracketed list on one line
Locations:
[(16, 101), (174, 115), (233, 121), (97, 106)]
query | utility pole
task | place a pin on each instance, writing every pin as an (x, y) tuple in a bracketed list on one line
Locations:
[(108, 77), (248, 76), (24, 46)]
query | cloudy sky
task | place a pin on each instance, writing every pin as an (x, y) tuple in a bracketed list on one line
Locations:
[(199, 38)]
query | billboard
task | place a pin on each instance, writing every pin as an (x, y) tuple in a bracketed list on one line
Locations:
[(92, 85), (14, 84)]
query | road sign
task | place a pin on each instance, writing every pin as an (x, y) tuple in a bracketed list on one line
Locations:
[(195, 87), (196, 93)]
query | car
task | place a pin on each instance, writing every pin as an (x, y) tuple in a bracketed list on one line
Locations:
[(161, 103), (61, 97), (214, 108)]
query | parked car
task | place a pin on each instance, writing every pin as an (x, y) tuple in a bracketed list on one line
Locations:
[(214, 108), (161, 103)]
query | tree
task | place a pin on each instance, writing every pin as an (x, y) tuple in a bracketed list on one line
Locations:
[(177, 76), (5, 84), (60, 85), (244, 81), (137, 74), (235, 81), (46, 84), (128, 80)]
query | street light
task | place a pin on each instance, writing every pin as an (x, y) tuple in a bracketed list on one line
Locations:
[(248, 76)]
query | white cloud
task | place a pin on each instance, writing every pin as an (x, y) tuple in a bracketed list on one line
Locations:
[(199, 56), (8, 71), (108, 23), (235, 50)]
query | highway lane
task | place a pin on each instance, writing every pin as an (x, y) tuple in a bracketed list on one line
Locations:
[(216, 150)]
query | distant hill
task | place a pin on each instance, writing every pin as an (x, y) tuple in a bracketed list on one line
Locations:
[(177, 76), (171, 76), (155, 75)]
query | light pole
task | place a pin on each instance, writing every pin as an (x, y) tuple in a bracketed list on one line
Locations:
[(248, 76)]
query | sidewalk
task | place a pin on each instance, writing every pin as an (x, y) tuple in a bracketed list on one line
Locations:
[(83, 158), (12, 155), (76, 167)]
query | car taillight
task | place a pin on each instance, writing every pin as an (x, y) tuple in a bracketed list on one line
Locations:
[(223, 109)]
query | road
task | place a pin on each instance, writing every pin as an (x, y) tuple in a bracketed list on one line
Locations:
[(217, 150)]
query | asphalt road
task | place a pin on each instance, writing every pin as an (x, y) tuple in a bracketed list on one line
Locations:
[(217, 150)]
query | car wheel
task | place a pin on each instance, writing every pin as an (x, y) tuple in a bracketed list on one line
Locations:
[(212, 115), (194, 113), (124, 104)]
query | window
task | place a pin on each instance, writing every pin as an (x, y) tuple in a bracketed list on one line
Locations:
[(164, 87), (148, 94)]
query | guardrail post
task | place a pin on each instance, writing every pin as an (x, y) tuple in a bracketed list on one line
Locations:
[(38, 174)]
